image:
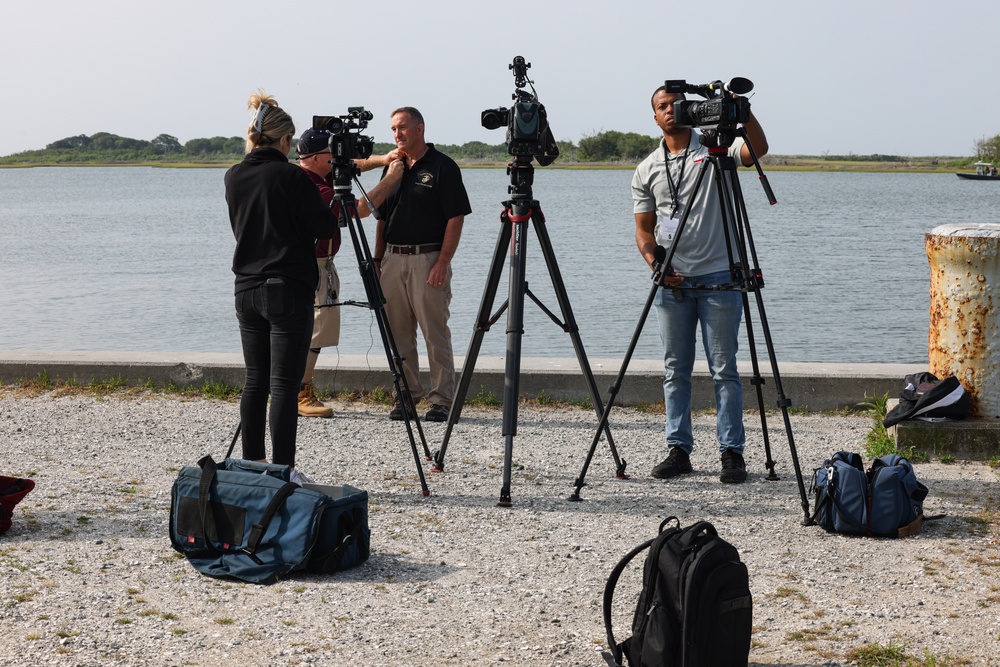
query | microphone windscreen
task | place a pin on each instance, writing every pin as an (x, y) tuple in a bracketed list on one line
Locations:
[(739, 85)]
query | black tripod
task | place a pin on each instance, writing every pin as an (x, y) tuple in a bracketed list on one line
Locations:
[(740, 247), (343, 173), (518, 211)]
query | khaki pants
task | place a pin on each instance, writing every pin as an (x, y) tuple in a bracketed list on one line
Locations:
[(410, 302), (326, 321)]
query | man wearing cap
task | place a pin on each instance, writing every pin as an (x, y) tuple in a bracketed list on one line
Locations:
[(314, 158), (422, 207)]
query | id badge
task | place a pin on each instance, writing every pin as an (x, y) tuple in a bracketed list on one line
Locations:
[(667, 230)]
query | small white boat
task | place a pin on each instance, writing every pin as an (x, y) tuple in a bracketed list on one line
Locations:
[(985, 171)]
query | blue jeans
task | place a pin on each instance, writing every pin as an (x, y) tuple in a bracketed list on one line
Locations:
[(719, 313), (276, 322)]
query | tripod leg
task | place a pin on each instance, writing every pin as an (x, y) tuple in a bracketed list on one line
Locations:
[(483, 323), (519, 216), (784, 403), (574, 331), (614, 391), (758, 383), (376, 301), (736, 247), (735, 208)]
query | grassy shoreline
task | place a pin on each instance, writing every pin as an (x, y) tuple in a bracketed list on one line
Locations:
[(772, 163)]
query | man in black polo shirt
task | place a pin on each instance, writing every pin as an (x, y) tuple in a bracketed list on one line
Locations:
[(422, 205)]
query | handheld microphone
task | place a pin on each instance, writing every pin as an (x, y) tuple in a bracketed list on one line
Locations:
[(659, 254)]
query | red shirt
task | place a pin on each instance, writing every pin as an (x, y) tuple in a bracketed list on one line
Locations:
[(326, 247)]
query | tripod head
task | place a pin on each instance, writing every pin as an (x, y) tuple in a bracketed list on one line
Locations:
[(522, 175), (346, 144), (528, 132)]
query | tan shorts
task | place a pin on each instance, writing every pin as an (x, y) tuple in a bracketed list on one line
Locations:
[(326, 320)]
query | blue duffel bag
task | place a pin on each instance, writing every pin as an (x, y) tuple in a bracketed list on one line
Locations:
[(841, 489), (896, 497), (344, 537), (887, 501), (247, 521)]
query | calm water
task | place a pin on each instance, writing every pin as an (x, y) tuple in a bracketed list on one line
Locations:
[(137, 259)]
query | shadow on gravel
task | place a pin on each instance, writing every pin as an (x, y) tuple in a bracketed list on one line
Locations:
[(385, 568), (699, 492), (90, 525)]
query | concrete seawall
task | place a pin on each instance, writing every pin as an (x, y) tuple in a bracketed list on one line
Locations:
[(813, 386)]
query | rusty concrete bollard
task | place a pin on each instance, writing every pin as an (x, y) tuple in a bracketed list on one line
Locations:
[(964, 333)]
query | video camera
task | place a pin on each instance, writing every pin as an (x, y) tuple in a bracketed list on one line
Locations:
[(528, 132), (724, 108), (346, 145)]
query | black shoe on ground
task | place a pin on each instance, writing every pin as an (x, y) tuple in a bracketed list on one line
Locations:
[(397, 413), (677, 463), (734, 468), (437, 413)]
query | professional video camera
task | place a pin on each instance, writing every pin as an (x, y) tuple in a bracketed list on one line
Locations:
[(720, 113), (344, 144), (528, 132)]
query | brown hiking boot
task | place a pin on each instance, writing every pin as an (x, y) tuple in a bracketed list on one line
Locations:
[(310, 406)]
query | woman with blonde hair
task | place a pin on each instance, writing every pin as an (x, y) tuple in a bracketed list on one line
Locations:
[(277, 214)]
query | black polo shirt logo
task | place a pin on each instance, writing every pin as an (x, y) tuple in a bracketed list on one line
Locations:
[(426, 179)]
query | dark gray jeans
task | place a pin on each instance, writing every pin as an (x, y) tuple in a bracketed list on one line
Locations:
[(276, 322)]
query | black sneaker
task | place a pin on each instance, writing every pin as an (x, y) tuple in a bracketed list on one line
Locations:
[(397, 414), (734, 468), (437, 413), (676, 463)]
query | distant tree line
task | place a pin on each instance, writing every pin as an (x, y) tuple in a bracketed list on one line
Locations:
[(601, 147), (874, 157), (988, 150), (107, 148)]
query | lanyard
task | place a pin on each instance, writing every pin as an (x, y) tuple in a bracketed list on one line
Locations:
[(675, 190)]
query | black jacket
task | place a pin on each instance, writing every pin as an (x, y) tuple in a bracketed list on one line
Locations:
[(277, 213)]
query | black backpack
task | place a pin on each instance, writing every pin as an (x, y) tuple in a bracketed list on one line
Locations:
[(695, 609)]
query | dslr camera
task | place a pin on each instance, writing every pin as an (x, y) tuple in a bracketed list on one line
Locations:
[(723, 108), (346, 141), (528, 132)]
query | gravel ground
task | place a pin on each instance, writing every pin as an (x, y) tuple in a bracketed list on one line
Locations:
[(88, 577)]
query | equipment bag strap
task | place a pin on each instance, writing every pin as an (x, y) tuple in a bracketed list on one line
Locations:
[(826, 499), (331, 561), (258, 529), (208, 474), (609, 593), (609, 588), (209, 471), (232, 445)]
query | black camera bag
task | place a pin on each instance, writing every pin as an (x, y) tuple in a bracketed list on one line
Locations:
[(695, 609)]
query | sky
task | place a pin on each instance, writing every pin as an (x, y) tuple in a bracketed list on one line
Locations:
[(897, 77)]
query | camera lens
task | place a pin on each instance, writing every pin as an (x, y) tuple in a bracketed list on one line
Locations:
[(494, 118)]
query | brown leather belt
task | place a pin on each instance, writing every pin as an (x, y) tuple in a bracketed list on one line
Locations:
[(413, 249)]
